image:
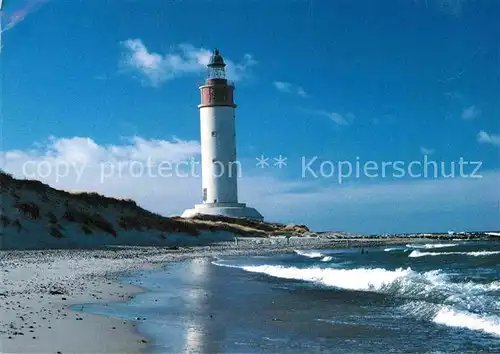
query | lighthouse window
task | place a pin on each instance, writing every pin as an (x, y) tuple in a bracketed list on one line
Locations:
[(204, 194), (214, 133)]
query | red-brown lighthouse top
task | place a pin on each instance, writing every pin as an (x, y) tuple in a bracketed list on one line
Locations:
[(216, 91)]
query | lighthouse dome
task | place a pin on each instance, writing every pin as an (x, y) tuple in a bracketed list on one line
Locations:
[(216, 60)]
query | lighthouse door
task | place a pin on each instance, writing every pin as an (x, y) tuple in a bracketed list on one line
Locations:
[(204, 194)]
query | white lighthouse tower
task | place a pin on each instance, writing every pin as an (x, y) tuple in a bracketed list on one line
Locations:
[(219, 165)]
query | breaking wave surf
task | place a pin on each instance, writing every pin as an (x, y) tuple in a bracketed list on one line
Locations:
[(310, 254), (432, 245), (401, 282), (391, 249), (437, 297), (353, 279), (452, 317), (463, 319), (417, 253), (447, 297)]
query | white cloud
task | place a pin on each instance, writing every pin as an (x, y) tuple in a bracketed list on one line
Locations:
[(470, 113), (449, 7), (486, 138), (287, 87), (240, 70), (426, 151), (154, 68), (283, 86), (337, 118), (301, 92)]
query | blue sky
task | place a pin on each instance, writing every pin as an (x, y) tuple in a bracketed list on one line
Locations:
[(381, 81)]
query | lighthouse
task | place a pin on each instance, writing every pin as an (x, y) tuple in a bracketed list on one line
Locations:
[(219, 165)]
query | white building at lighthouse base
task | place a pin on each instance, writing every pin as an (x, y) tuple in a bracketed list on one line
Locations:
[(231, 210)]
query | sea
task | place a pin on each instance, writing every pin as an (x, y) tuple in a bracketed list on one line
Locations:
[(426, 298)]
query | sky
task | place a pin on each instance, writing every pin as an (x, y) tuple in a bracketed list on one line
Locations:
[(89, 85)]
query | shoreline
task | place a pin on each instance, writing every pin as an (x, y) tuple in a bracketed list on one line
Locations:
[(42, 288)]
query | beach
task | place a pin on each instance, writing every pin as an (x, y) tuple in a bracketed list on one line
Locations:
[(40, 287)]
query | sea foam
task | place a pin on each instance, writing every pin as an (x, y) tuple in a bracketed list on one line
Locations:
[(353, 279), (399, 282), (452, 316), (390, 249), (309, 254), (455, 318), (431, 245), (417, 253)]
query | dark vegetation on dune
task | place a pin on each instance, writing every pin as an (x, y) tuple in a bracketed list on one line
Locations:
[(94, 213)]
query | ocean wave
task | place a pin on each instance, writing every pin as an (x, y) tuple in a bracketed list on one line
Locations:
[(431, 245), (399, 282), (310, 254), (390, 249), (326, 259), (432, 295), (353, 279), (417, 253), (220, 263), (454, 318)]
